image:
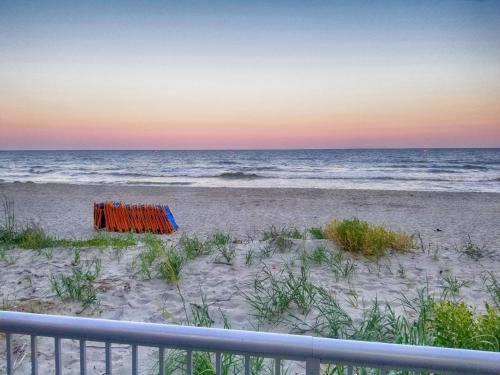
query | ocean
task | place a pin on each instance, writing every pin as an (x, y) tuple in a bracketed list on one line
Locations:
[(384, 169)]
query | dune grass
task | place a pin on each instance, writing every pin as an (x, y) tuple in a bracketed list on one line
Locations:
[(223, 245), (79, 284), (32, 237), (361, 237), (170, 267), (159, 259), (317, 233), (193, 247)]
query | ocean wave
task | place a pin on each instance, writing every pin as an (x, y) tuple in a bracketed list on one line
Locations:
[(239, 175), (159, 183), (38, 170), (474, 167)]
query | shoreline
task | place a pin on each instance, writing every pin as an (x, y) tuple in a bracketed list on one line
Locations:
[(182, 186)]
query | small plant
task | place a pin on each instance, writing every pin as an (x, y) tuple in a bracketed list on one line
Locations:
[(274, 232), (341, 266), (279, 239), (359, 236), (452, 286), (318, 256), (471, 249), (224, 247), (401, 271), (317, 233), (193, 247), (170, 267), (249, 256), (79, 285), (493, 287), (276, 293), (147, 260)]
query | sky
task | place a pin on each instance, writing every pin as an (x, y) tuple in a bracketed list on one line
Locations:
[(249, 75)]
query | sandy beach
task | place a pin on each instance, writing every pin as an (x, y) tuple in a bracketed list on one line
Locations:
[(442, 220)]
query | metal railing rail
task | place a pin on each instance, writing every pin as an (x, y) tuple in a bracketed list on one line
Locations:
[(313, 350)]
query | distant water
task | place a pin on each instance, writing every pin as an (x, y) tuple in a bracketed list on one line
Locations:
[(404, 169)]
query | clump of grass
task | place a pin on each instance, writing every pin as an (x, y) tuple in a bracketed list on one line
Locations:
[(319, 255), (158, 259), (170, 267), (193, 247), (279, 239), (341, 266), (452, 286), (274, 232), (471, 249), (223, 245), (359, 236), (79, 284), (249, 256), (332, 320), (317, 233), (493, 287), (276, 293), (147, 260)]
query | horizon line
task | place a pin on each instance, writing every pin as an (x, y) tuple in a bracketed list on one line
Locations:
[(257, 149)]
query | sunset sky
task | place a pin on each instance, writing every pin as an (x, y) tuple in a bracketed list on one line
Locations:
[(231, 75)]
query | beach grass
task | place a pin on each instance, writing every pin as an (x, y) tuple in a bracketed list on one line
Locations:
[(79, 284), (359, 236), (493, 287), (193, 247), (471, 249), (170, 266), (223, 245), (317, 233)]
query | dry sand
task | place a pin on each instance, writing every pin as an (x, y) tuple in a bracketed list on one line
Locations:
[(66, 211)]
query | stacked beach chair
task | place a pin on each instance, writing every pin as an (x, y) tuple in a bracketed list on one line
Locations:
[(121, 217)]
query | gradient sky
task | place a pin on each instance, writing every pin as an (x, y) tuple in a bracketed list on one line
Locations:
[(312, 74)]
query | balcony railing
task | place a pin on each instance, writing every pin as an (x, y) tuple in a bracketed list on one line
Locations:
[(313, 351)]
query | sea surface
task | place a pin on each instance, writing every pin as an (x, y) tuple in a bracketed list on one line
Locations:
[(393, 169)]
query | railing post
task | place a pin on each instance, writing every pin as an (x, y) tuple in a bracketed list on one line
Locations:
[(135, 360), (8, 339), (161, 360), (189, 362), (57, 356), (109, 361), (34, 352), (247, 365), (218, 363), (83, 357), (277, 366), (312, 366)]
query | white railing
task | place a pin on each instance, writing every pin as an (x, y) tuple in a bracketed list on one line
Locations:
[(313, 350)]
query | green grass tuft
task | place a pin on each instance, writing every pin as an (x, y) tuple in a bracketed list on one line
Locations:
[(79, 284), (170, 267), (359, 236), (223, 245), (317, 233), (193, 247)]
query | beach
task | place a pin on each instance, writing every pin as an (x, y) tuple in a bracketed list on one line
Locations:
[(442, 222)]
